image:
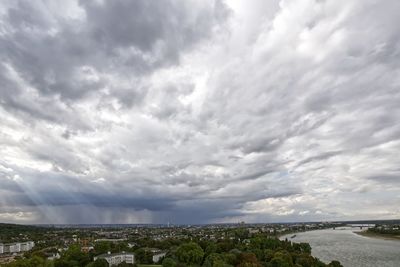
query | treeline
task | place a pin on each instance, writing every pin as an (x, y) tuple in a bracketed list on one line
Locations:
[(255, 252), (11, 232), (385, 230), (260, 251)]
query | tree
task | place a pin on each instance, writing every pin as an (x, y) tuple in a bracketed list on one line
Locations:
[(305, 260), (102, 247), (190, 253), (73, 257), (248, 260), (211, 259), (268, 254), (225, 246), (335, 264), (231, 258), (285, 256), (143, 256), (37, 261), (279, 262), (241, 233), (124, 264), (302, 247), (215, 260), (63, 263), (98, 263), (168, 262), (211, 248)]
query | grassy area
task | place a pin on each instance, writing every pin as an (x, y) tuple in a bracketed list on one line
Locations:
[(148, 265)]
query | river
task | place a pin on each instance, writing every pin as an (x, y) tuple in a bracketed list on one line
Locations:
[(351, 249)]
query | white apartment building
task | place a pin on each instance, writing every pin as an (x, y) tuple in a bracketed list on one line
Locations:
[(26, 246), (117, 258), (16, 247)]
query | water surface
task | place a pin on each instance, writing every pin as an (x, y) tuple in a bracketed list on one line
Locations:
[(351, 249)]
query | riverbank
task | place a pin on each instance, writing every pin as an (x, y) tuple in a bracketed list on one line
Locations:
[(379, 236)]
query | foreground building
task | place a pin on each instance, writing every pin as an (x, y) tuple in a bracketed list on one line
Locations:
[(117, 258), (16, 247)]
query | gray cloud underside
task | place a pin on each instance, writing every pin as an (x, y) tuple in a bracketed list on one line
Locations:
[(199, 111)]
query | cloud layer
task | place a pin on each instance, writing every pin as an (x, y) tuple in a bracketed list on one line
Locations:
[(199, 111)]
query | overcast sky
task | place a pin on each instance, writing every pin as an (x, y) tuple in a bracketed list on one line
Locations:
[(199, 111)]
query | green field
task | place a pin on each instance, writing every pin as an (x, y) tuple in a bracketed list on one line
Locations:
[(148, 265)]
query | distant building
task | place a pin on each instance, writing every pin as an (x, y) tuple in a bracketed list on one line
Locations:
[(117, 258), (132, 244), (86, 249), (113, 240), (53, 256), (253, 231)]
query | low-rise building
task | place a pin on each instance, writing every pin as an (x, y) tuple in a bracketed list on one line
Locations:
[(132, 244), (158, 256), (53, 256), (117, 258)]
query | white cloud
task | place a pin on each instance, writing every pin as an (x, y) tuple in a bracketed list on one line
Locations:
[(270, 111)]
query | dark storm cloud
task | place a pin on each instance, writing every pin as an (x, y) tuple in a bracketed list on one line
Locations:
[(199, 111), (55, 189), (66, 58), (148, 26)]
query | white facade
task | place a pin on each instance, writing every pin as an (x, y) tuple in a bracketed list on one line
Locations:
[(6, 248), (117, 258), (26, 246), (54, 256), (158, 256), (16, 247), (114, 240)]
